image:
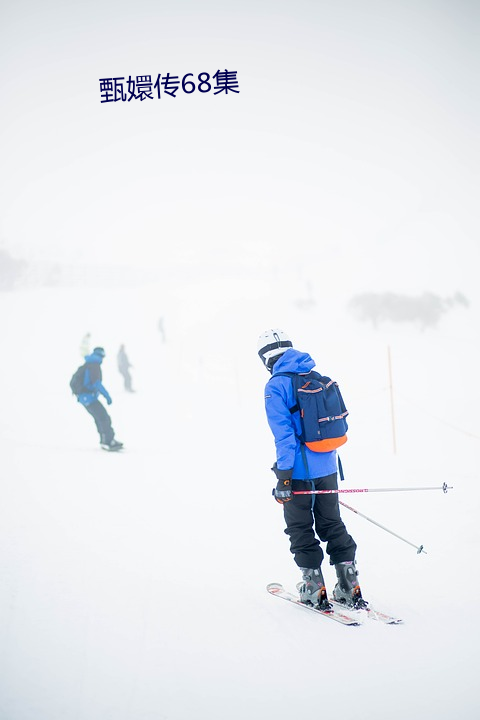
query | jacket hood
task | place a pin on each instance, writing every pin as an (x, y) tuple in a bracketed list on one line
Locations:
[(293, 361), (93, 358)]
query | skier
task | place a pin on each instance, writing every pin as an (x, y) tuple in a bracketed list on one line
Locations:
[(123, 364), (308, 518), (161, 329), (88, 397)]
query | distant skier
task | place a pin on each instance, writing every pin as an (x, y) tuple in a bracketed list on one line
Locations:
[(87, 385), (300, 468), (85, 345), (124, 366), (161, 329)]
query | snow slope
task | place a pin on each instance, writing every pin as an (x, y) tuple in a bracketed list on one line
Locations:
[(133, 585)]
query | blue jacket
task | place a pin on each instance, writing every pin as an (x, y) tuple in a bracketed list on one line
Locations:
[(285, 426), (93, 381)]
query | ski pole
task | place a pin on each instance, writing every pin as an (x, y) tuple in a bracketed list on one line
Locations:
[(419, 548), (443, 487)]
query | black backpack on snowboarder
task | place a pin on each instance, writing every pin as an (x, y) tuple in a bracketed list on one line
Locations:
[(77, 382)]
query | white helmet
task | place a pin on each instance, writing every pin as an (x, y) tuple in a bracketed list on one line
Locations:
[(271, 344)]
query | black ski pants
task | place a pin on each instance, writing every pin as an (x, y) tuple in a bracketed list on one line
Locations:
[(310, 517), (102, 421)]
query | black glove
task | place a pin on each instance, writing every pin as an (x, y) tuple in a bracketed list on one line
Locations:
[(283, 492)]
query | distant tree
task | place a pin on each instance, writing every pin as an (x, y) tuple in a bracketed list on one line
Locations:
[(459, 298), (10, 270), (427, 309)]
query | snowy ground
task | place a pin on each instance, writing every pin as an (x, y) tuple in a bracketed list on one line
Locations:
[(133, 585)]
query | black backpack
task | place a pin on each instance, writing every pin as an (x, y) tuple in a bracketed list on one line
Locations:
[(78, 378)]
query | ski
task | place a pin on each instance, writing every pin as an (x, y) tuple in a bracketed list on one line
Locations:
[(337, 614), (371, 613)]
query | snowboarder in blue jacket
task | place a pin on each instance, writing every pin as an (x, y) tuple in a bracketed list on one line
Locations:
[(92, 388), (309, 518)]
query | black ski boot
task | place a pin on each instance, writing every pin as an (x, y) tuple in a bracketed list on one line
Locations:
[(112, 446), (312, 589), (347, 590)]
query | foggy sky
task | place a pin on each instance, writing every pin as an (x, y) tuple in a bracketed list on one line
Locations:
[(353, 135)]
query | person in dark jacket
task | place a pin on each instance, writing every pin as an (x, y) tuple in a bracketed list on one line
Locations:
[(124, 366), (309, 518), (93, 387)]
